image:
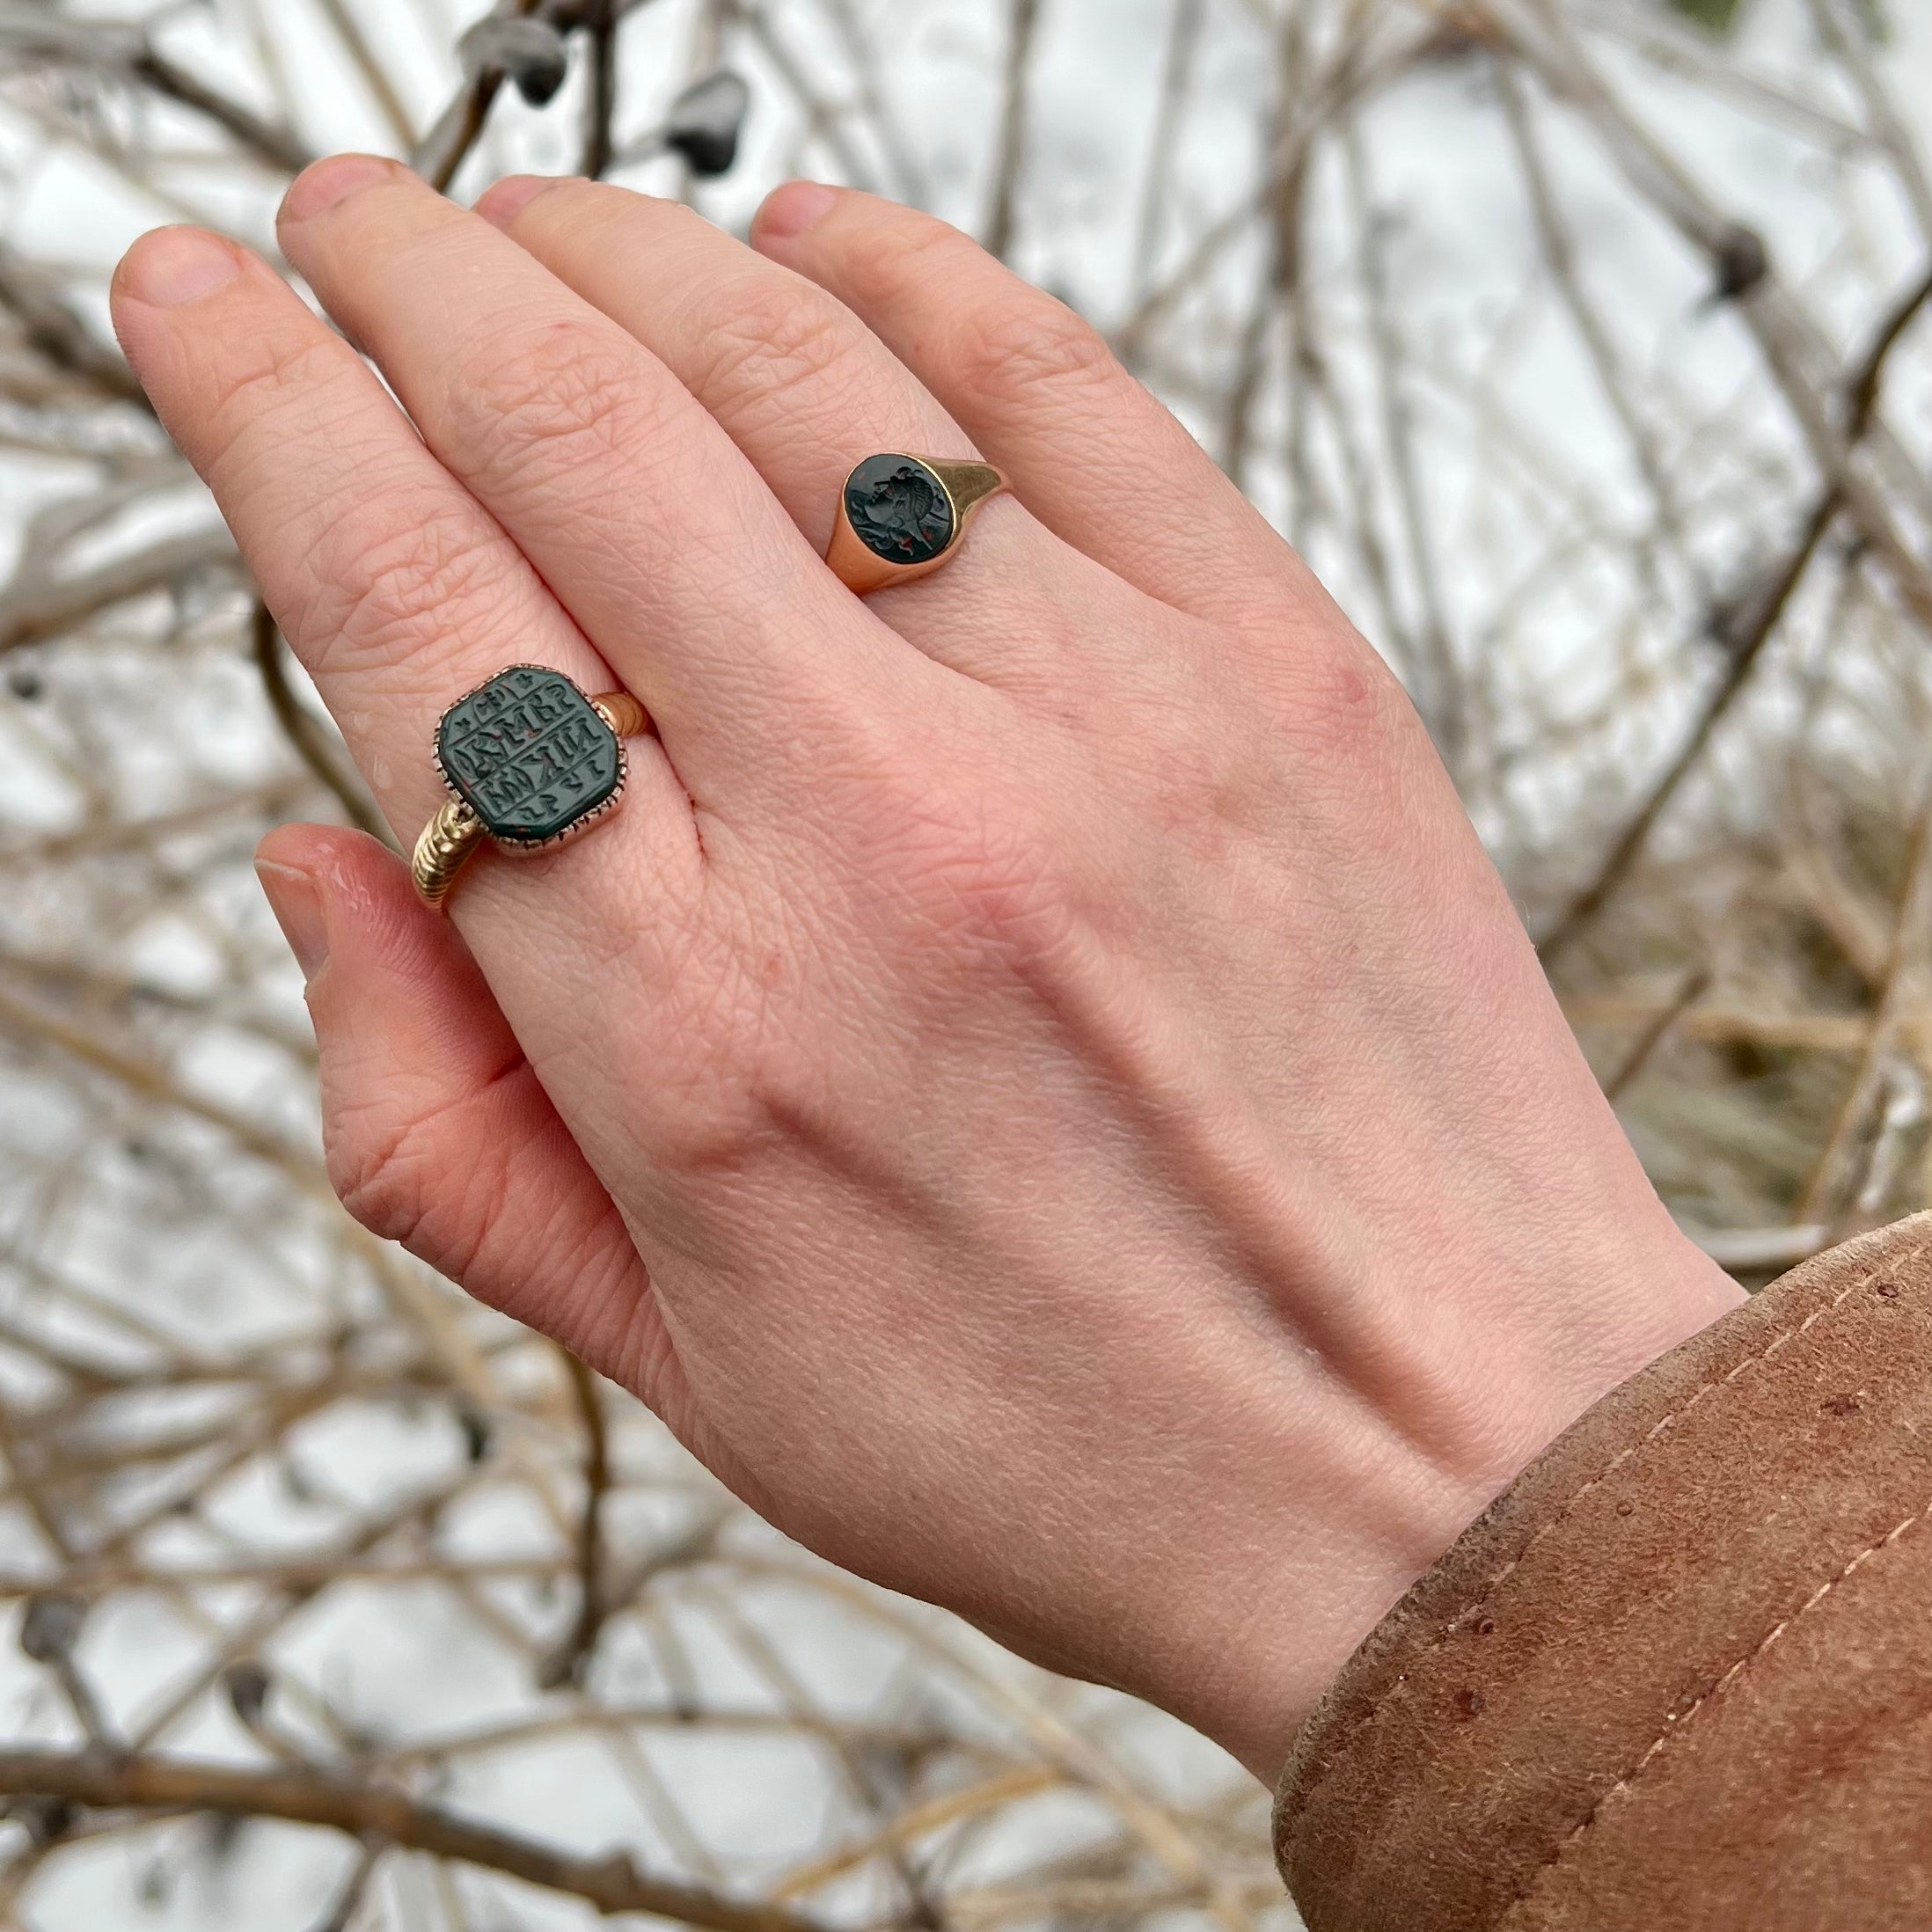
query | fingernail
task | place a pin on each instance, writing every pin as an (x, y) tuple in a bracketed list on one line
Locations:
[(297, 907), (177, 265), (326, 183), (790, 210), (502, 201)]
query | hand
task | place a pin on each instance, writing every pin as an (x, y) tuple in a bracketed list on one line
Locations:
[(1039, 1087)]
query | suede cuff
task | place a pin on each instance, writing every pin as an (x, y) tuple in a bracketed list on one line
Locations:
[(1680, 1673)]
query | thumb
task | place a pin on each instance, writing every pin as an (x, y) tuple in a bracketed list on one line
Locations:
[(436, 1131)]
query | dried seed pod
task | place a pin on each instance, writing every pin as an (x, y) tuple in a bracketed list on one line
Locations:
[(529, 53), (475, 1426), (46, 1820), (706, 121), (1742, 261), (51, 1626), (247, 1683)]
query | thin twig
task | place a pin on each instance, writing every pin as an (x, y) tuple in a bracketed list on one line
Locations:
[(355, 1889), (600, 27), (572, 1663), (113, 47), (1010, 142), (375, 76), (1352, 78), (277, 146), (457, 130), (1696, 984), (613, 1885), (1889, 132), (1176, 80), (1906, 944), (908, 171), (1791, 342), (61, 333), (824, 119), (1553, 234), (34, 606), (1745, 638), (1442, 695), (304, 731)]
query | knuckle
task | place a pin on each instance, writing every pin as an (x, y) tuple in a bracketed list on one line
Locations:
[(272, 379), (1027, 347), (388, 576), (1328, 696), (395, 1170), (559, 396), (775, 338), (1349, 698), (718, 1084), (720, 1061), (717, 1125), (1290, 748), (380, 1176), (970, 876), (714, 1135)]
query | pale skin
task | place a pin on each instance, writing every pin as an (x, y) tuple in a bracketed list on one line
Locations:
[(1039, 1085)]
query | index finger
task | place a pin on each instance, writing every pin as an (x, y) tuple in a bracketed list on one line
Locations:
[(395, 588)]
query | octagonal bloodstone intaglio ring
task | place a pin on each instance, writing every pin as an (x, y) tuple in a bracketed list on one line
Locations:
[(530, 762), (900, 516)]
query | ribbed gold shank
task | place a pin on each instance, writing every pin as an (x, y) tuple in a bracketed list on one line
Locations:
[(448, 840)]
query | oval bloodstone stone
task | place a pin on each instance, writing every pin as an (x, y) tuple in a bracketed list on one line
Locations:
[(899, 509), (529, 755)]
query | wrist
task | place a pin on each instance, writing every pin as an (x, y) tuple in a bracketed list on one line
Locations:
[(1344, 1510)]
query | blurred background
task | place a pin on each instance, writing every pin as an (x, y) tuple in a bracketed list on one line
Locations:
[(1579, 343)]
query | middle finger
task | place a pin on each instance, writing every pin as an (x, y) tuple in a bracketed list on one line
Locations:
[(648, 524)]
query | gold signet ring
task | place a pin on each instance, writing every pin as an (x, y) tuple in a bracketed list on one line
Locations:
[(900, 516)]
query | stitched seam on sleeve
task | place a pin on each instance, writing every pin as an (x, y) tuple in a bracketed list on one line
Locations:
[(1892, 1266), (1675, 1725)]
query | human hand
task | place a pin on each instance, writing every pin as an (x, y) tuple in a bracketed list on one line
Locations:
[(1040, 1085)]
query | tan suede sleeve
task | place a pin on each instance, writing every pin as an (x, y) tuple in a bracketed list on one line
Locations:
[(1679, 1675)]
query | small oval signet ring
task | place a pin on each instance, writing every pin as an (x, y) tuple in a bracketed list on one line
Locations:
[(900, 516)]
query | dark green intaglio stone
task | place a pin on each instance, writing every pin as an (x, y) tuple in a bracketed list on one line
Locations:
[(899, 508), (529, 755)]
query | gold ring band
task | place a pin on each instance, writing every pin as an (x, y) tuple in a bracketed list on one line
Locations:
[(900, 516), (442, 849), (530, 762)]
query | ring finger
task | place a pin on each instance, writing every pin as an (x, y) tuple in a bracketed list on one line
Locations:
[(805, 389)]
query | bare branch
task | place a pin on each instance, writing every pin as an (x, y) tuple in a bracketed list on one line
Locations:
[(34, 607), (33, 32), (612, 1884), (314, 746), (1745, 636), (58, 331), (1010, 143), (572, 1662), (600, 28)]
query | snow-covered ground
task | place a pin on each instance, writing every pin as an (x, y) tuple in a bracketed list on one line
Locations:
[(750, 1721)]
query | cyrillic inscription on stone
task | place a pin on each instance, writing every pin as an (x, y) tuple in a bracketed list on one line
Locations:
[(529, 755)]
